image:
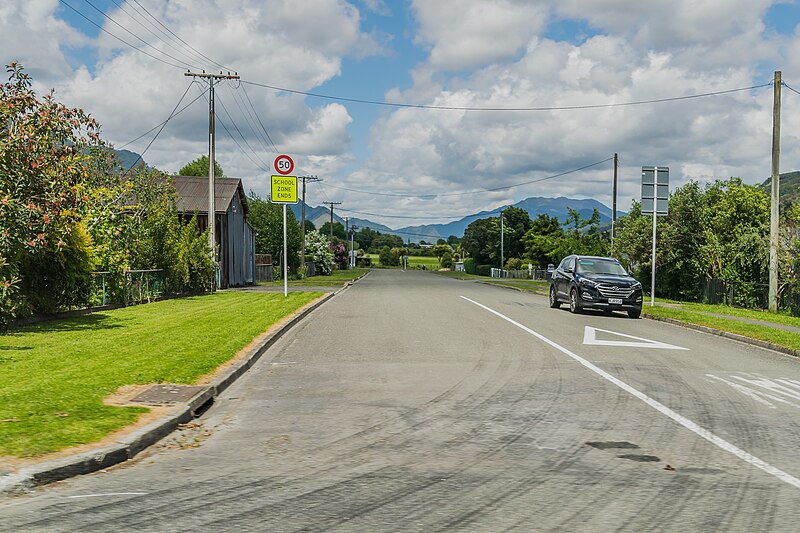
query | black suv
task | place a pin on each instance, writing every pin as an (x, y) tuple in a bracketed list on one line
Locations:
[(587, 282)]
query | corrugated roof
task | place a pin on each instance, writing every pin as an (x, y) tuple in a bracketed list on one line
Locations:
[(192, 193)]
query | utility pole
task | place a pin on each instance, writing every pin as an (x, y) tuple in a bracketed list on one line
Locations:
[(614, 204), (310, 179), (775, 199), (352, 261), (212, 214), (331, 204), (502, 244), (346, 234)]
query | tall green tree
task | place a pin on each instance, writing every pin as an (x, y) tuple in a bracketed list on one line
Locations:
[(338, 230), (199, 167), (542, 242)]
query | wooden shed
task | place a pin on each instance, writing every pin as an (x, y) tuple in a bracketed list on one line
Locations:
[(236, 239)]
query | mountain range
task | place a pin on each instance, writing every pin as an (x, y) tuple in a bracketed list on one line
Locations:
[(554, 207)]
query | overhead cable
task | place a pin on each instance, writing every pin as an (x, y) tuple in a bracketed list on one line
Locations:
[(93, 23), (466, 108), (171, 115), (181, 110)]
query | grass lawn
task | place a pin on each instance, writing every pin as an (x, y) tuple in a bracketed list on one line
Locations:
[(53, 376), (414, 261), (695, 314), (338, 277), (538, 286)]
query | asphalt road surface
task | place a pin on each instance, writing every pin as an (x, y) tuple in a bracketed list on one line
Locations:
[(413, 402)]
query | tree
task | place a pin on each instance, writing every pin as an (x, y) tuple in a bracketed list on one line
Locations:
[(266, 219), (383, 240), (542, 242), (479, 240), (364, 237), (516, 223), (440, 249), (338, 230), (199, 167), (48, 155)]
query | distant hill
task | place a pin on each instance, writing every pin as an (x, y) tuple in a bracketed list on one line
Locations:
[(789, 187), (557, 207), (127, 159)]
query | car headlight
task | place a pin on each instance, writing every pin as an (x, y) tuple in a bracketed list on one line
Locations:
[(636, 286), (588, 283)]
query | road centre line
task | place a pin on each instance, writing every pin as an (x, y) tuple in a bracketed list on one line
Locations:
[(658, 406)]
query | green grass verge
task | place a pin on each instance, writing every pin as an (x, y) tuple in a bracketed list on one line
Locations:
[(337, 278), (53, 376), (414, 261), (539, 287), (787, 339)]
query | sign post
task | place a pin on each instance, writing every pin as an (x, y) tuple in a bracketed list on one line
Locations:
[(655, 201), (283, 190)]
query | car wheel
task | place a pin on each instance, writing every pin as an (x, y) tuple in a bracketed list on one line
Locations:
[(634, 313), (554, 303), (574, 305)]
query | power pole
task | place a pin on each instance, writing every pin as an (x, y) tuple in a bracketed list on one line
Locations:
[(352, 261), (346, 234), (310, 179), (502, 244), (775, 199), (614, 204), (212, 214), (331, 204)]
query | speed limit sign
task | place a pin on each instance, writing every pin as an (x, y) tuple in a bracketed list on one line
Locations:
[(284, 165)]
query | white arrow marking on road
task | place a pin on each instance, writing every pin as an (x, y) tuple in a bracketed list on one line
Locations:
[(590, 337)]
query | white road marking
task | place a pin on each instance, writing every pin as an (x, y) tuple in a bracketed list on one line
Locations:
[(658, 406), (107, 494), (786, 387), (590, 337)]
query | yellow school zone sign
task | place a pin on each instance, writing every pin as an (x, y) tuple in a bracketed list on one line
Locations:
[(284, 190)]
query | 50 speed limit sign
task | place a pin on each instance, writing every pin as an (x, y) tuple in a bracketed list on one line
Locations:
[(284, 165)]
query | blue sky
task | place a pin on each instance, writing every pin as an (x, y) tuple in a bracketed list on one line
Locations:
[(453, 53)]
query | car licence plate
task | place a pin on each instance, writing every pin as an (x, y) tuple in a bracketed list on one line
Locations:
[(615, 301)]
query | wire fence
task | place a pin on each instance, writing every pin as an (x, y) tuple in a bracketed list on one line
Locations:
[(130, 287), (749, 295), (534, 274)]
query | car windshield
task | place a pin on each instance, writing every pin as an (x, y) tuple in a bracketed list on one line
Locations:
[(600, 266)]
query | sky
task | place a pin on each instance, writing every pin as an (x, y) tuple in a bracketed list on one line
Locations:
[(425, 111)]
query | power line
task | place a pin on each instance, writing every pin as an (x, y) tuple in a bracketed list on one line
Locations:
[(480, 191), (93, 23), (141, 156), (263, 166), (790, 88), (544, 108), (135, 18), (248, 116), (181, 40), (181, 110), (258, 117), (136, 36)]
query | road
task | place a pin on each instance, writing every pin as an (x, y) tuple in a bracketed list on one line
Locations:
[(413, 402)]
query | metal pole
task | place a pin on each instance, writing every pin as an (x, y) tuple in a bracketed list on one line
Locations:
[(285, 257), (653, 264), (303, 225), (614, 204), (774, 242), (502, 244)]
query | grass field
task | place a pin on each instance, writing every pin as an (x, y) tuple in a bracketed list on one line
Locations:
[(414, 261), (55, 375), (338, 277)]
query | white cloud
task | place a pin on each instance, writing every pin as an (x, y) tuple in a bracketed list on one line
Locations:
[(467, 33)]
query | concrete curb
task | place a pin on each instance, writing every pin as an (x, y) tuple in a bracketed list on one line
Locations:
[(727, 335), (134, 443)]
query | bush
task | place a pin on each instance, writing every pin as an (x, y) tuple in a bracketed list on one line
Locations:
[(469, 266), (484, 270), (514, 263), (447, 260)]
